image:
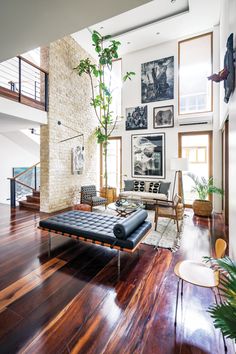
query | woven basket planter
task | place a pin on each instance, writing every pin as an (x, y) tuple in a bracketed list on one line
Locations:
[(202, 207)]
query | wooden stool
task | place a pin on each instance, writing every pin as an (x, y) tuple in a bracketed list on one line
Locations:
[(82, 207)]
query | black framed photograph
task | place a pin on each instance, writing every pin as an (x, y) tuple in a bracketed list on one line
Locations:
[(148, 155), (163, 117), (157, 80), (136, 118)]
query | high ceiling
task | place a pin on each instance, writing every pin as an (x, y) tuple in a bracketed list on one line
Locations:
[(27, 24), (154, 23)]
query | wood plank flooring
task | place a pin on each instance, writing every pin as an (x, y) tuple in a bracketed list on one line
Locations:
[(74, 303)]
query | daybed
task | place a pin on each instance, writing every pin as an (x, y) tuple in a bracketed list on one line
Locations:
[(123, 234)]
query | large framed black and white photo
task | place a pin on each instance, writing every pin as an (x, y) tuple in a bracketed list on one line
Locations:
[(148, 155), (163, 117), (136, 118), (157, 80)]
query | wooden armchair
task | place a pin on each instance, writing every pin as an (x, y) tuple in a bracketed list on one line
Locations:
[(169, 209), (89, 195)]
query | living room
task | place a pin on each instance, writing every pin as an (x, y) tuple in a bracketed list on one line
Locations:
[(104, 252)]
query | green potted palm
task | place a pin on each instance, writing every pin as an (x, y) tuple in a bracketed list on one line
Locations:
[(224, 313), (203, 187)]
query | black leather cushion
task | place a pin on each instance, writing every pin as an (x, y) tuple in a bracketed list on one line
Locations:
[(98, 227), (129, 185), (154, 187), (125, 227), (139, 186), (164, 188)]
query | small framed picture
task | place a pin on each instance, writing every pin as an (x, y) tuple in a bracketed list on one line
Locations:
[(163, 117), (136, 118)]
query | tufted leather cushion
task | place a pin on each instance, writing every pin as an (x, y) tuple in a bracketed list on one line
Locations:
[(125, 227), (98, 227)]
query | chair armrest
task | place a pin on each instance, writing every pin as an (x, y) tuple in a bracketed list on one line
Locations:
[(161, 202)]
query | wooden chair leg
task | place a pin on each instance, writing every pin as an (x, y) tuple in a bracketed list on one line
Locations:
[(156, 223), (177, 224)]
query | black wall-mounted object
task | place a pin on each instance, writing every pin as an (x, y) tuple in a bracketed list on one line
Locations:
[(73, 137), (229, 82)]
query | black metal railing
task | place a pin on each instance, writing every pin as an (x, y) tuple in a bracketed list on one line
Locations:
[(24, 183), (25, 82)]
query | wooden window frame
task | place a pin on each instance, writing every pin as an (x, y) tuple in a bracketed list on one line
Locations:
[(101, 160), (179, 44), (210, 154)]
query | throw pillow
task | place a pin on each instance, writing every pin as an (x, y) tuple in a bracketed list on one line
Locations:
[(139, 186), (154, 187), (164, 188), (129, 185)]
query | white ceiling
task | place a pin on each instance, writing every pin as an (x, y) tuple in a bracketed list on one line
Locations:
[(27, 24), (137, 28)]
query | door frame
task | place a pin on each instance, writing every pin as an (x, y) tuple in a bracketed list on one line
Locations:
[(101, 160), (210, 154), (225, 171)]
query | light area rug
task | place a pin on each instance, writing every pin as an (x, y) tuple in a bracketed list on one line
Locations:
[(166, 235)]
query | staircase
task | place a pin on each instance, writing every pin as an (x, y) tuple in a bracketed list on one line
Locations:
[(21, 184), (32, 201)]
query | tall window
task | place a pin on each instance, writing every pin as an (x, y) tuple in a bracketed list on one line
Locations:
[(195, 65), (114, 83), (113, 163), (197, 148)]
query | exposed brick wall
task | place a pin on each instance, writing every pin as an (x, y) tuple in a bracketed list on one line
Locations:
[(69, 102)]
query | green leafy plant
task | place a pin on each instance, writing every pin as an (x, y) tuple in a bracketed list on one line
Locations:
[(203, 187), (100, 75), (224, 314)]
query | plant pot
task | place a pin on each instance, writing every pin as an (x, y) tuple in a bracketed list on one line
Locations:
[(202, 207)]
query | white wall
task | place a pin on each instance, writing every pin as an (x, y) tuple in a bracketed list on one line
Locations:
[(131, 97), (12, 155), (227, 26), (19, 110)]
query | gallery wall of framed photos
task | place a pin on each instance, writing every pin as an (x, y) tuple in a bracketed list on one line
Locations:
[(149, 109)]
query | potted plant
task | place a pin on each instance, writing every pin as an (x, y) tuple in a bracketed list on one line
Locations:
[(224, 313), (203, 187), (100, 74)]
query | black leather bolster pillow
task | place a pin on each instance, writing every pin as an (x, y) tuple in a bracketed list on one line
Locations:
[(124, 228)]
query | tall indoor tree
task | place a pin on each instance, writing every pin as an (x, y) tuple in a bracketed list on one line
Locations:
[(100, 76)]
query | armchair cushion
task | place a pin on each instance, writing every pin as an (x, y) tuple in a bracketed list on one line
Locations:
[(95, 200)]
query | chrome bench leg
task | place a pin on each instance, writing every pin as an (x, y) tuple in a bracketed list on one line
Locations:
[(118, 264), (49, 244)]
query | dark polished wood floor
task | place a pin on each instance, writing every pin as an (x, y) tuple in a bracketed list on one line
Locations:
[(74, 303)]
